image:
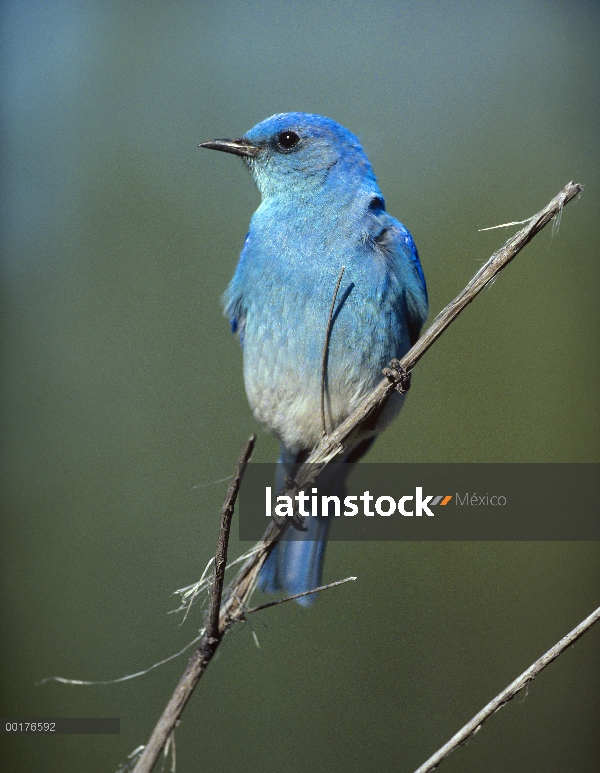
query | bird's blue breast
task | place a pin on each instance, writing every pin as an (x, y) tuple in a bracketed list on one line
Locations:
[(279, 301)]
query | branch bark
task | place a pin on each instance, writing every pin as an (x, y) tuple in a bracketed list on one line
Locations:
[(233, 608), (509, 693), (213, 632)]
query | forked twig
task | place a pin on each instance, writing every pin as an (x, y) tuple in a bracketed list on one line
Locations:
[(333, 445), (213, 632)]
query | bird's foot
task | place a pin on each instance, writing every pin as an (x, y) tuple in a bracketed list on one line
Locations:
[(398, 376), (296, 520)]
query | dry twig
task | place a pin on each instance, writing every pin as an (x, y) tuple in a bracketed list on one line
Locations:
[(329, 448), (299, 595), (332, 446), (213, 632), (326, 349), (509, 693)]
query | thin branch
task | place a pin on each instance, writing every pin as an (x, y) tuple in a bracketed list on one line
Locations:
[(509, 693), (127, 677), (333, 446), (503, 225), (299, 595), (326, 349), (236, 597), (213, 633), (214, 606)]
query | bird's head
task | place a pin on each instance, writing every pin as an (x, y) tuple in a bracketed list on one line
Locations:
[(293, 154)]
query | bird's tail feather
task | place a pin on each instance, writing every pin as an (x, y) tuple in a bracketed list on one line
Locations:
[(295, 564)]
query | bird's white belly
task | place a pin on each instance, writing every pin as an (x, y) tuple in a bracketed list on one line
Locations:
[(288, 403)]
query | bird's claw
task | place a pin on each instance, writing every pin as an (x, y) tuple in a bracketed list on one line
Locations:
[(296, 520), (398, 376)]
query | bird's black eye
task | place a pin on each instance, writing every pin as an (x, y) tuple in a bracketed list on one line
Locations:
[(287, 140)]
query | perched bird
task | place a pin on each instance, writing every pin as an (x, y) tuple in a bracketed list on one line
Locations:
[(321, 210)]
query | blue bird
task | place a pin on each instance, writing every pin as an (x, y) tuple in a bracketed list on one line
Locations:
[(321, 210)]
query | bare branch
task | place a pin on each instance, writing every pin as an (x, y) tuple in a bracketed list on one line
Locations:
[(509, 693), (333, 446), (213, 633), (214, 607)]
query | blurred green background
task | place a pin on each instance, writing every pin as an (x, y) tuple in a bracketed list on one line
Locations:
[(122, 387)]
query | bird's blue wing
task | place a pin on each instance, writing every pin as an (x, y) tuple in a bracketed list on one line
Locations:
[(396, 244), (234, 306)]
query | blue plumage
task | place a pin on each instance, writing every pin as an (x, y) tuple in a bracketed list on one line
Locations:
[(321, 209)]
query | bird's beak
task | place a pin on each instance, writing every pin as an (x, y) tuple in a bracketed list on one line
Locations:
[(239, 147)]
